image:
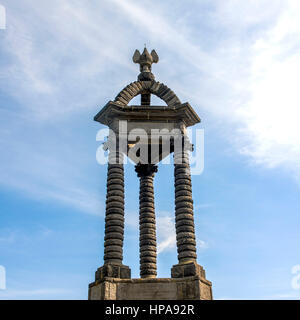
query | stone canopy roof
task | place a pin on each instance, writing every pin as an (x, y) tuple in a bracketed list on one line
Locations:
[(145, 86)]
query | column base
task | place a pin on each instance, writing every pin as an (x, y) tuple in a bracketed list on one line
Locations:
[(190, 288), (189, 269), (113, 271)]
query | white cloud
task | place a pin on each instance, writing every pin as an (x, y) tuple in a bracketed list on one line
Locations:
[(255, 68), (57, 52), (165, 229), (270, 118), (62, 58), (166, 235), (44, 165)]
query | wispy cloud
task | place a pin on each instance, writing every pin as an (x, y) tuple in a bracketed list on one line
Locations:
[(165, 229), (271, 130), (253, 68), (166, 234), (35, 164), (57, 56), (65, 58)]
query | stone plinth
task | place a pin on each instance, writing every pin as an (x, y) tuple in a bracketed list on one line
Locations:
[(183, 270), (189, 288), (115, 271)]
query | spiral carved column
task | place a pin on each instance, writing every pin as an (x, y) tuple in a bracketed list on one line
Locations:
[(184, 216), (148, 254), (114, 221)]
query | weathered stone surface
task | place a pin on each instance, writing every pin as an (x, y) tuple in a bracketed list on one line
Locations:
[(147, 226), (114, 214), (147, 210), (184, 204), (180, 199), (190, 288), (113, 235), (110, 223), (184, 217), (182, 193), (112, 249), (105, 291), (148, 236), (148, 259), (114, 204), (113, 256), (113, 278), (118, 193), (147, 221), (185, 228), (113, 271), (185, 235), (113, 175), (182, 222), (156, 88), (114, 228), (118, 229), (187, 270), (116, 187), (185, 241), (187, 255), (148, 272), (147, 242), (113, 242)]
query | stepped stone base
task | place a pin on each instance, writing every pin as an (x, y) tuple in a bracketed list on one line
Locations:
[(189, 288)]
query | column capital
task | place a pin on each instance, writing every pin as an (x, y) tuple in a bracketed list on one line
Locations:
[(145, 170)]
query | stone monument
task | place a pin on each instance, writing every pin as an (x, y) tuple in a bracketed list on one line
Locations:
[(113, 280)]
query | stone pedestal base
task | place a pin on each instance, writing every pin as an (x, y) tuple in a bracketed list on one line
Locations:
[(189, 288), (113, 271), (190, 269)]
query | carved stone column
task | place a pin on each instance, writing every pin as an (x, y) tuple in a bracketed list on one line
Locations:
[(114, 221), (184, 215), (148, 254)]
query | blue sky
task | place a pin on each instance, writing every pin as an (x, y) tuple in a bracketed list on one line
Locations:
[(236, 62)]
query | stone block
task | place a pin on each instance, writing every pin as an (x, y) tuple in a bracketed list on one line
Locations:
[(187, 270), (113, 271), (189, 288)]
